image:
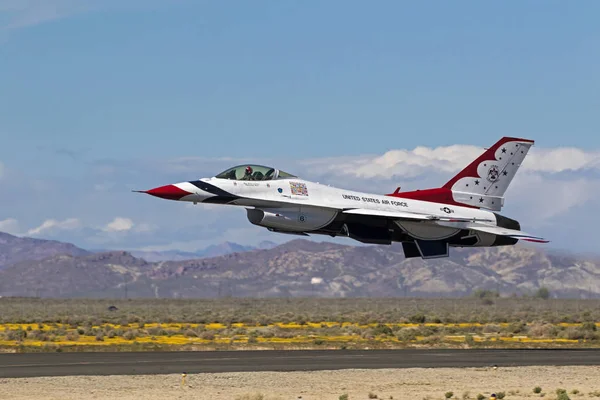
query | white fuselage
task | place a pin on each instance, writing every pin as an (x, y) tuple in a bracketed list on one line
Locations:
[(311, 196)]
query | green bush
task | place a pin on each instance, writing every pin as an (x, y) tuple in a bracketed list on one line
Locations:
[(417, 318), (449, 394), (542, 293), (563, 396), (537, 389), (382, 330), (343, 397), (589, 326)]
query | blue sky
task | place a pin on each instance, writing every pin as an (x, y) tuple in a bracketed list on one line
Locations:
[(98, 98)]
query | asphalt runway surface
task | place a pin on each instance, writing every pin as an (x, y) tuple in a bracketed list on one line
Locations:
[(137, 363)]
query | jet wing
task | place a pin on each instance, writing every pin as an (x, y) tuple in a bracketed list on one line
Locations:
[(496, 230), (410, 216)]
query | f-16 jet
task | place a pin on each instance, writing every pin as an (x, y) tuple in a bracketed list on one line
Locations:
[(461, 213)]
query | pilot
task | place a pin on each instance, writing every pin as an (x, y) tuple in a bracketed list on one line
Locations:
[(248, 174)]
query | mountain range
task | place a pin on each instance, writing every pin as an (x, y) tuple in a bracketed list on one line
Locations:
[(35, 267), (211, 251)]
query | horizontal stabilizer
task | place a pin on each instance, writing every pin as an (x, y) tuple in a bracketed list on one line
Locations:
[(512, 233)]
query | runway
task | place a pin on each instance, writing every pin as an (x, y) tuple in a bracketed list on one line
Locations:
[(142, 363)]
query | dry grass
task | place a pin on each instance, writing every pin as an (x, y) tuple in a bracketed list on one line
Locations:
[(76, 325), (298, 310)]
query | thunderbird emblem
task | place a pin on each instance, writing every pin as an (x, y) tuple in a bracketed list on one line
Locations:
[(493, 173)]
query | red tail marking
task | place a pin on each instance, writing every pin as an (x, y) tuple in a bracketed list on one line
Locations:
[(489, 154), (437, 195), (444, 194)]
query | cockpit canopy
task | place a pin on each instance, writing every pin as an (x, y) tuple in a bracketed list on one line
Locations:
[(249, 172)]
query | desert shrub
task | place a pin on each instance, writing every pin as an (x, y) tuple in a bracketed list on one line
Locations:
[(130, 334), (100, 337), (589, 326), (368, 334), (449, 395), (207, 335), (382, 330), (417, 318), (487, 302), (537, 389), (407, 334), (372, 395), (485, 293), (343, 397), (480, 396), (500, 395), (257, 396), (491, 328), (538, 330), (517, 327), (72, 336), (190, 333), (469, 340), (16, 334), (563, 396), (240, 331), (542, 293), (573, 333)]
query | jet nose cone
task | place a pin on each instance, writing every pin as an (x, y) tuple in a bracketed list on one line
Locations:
[(169, 192)]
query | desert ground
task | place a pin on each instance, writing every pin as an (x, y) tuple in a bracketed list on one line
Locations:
[(412, 383)]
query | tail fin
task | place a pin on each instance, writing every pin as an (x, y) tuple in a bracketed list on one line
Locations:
[(483, 182)]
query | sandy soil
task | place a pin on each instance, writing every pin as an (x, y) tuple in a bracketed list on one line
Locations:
[(414, 383)]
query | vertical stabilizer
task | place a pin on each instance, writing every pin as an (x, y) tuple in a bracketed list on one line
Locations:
[(483, 182)]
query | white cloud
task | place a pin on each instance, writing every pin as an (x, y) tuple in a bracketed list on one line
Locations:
[(52, 225), (553, 188), (10, 225), (449, 159), (119, 224), (543, 198), (561, 159)]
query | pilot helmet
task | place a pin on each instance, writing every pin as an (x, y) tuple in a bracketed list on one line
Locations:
[(248, 169)]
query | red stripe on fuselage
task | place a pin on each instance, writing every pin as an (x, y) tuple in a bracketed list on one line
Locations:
[(436, 195)]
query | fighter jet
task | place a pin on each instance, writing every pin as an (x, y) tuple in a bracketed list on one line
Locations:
[(461, 213)]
